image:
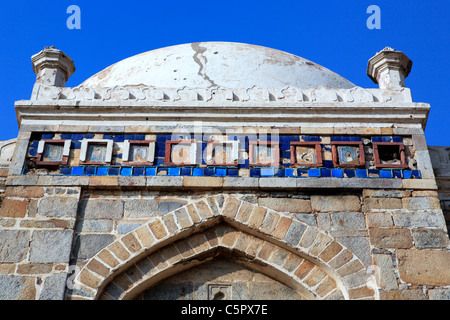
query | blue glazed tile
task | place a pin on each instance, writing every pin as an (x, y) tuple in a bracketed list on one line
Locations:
[(34, 144), (77, 171), (66, 136), (208, 171), (174, 171), (33, 152), (377, 139), (186, 171), (233, 172), (397, 139), (326, 172), (151, 171), (417, 174), (119, 138), (335, 138), (349, 173), (385, 174), (285, 146), (373, 173), (129, 137), (397, 173), (406, 174), (139, 137), (326, 147), (75, 144), (386, 138), (197, 172), (286, 154), (113, 171), (361, 173), (267, 172), (337, 173), (355, 139), (102, 171), (286, 164), (255, 172), (279, 172), (90, 171), (160, 138), (289, 172), (126, 171), (77, 136), (47, 136), (245, 164), (314, 172), (159, 161), (302, 173), (88, 136), (327, 163), (160, 152), (65, 170), (285, 139), (220, 172), (138, 171), (345, 138)]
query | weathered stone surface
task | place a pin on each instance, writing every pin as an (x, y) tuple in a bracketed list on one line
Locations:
[(101, 209), (348, 220), (12, 208), (17, 288), (424, 267), (141, 208), (286, 205), (61, 207), (54, 287), (419, 219), (430, 238), (51, 246), (439, 294), (421, 203), (398, 238), (168, 206), (294, 233), (382, 204), (335, 203), (13, 245), (386, 272), (403, 295), (87, 245)]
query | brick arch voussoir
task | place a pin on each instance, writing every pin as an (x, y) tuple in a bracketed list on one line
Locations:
[(280, 230)]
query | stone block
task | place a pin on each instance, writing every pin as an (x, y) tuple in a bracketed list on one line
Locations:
[(421, 203), (202, 182), (419, 219), (158, 229), (88, 245), (101, 209), (386, 271), (17, 288), (11, 208), (398, 238), (140, 208), (24, 192), (104, 181), (13, 245), (402, 295), (382, 204), (430, 238), (385, 193), (231, 207), (166, 206), (286, 204), (60, 207), (54, 287), (335, 203), (294, 233), (379, 219), (424, 267), (348, 221), (359, 245), (51, 246), (439, 294)]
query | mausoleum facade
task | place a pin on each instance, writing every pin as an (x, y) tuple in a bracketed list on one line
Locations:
[(220, 170)]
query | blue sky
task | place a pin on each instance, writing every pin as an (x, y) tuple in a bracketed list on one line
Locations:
[(331, 33)]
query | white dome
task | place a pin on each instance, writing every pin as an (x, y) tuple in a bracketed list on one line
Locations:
[(209, 64)]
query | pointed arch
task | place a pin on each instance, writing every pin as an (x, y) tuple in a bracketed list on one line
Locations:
[(319, 266)]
